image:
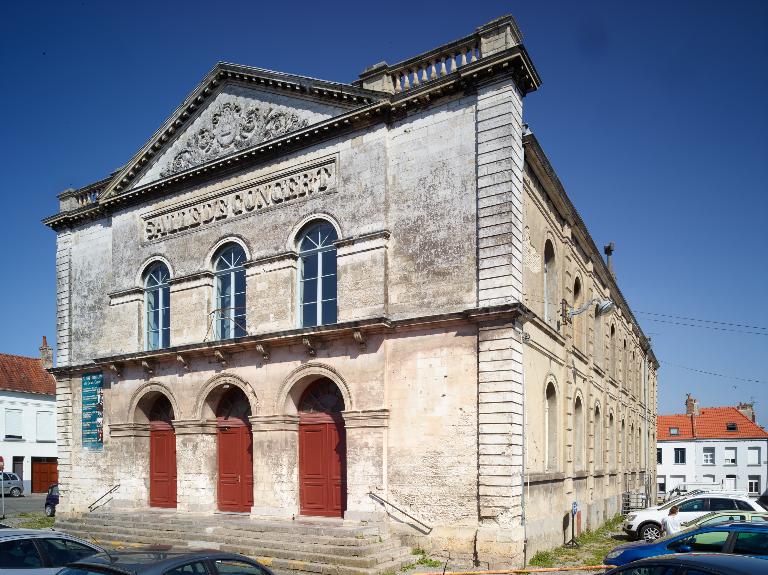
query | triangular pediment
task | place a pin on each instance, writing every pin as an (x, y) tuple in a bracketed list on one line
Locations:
[(233, 109), (237, 118)]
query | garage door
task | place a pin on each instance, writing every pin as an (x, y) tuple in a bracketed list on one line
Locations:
[(45, 473)]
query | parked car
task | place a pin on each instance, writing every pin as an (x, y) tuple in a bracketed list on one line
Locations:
[(646, 524), (740, 538), (40, 552), (148, 562), (52, 500), (714, 517), (696, 563), (689, 487), (12, 484)]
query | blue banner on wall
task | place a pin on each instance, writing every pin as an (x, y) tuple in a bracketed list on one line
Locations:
[(93, 410)]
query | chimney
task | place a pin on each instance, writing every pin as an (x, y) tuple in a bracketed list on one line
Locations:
[(609, 257), (46, 354), (691, 405), (747, 409)]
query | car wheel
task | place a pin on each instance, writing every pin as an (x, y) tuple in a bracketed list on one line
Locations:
[(50, 510), (15, 492), (650, 532)]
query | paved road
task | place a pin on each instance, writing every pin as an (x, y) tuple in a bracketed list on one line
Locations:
[(25, 504)]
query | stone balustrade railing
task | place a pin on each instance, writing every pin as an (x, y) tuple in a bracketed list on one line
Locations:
[(434, 66), (75, 199)]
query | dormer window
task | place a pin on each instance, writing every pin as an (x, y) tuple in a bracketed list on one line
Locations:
[(731, 426), (674, 431)]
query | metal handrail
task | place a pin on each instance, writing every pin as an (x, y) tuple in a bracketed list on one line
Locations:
[(422, 527), (94, 505)]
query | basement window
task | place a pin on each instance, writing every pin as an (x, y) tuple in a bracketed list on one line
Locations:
[(731, 427)]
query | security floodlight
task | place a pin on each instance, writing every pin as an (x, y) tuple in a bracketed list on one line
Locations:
[(603, 306)]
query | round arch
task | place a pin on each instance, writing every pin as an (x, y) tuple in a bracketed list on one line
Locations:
[(143, 398), (153, 259), (230, 239), (205, 406), (299, 226), (299, 379)]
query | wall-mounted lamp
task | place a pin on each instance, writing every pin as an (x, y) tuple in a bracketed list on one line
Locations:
[(603, 306)]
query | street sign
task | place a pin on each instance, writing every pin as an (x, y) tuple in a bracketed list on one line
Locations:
[(574, 509)]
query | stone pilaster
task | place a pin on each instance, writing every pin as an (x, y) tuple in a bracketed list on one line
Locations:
[(366, 462), (362, 276), (63, 263), (275, 465), (500, 349), (129, 450), (64, 440), (265, 277), (196, 465)]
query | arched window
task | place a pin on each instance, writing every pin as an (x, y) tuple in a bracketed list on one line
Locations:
[(550, 427), (157, 307), (612, 349), (611, 442), (578, 322), (623, 446), (317, 291), (229, 316), (550, 285), (578, 439), (599, 448)]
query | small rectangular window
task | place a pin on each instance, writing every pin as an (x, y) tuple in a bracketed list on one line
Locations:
[(753, 485), (45, 427), (679, 455), (661, 481), (730, 456), (13, 424), (674, 431), (753, 456), (731, 426), (709, 456), (658, 455)]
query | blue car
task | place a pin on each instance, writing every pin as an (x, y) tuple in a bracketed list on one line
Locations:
[(52, 500), (740, 538)]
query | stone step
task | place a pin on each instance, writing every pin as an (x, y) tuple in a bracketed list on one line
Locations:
[(242, 538), (296, 527), (195, 529)]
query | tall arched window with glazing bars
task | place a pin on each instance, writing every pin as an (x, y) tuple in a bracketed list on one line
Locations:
[(229, 296), (157, 307), (317, 289)]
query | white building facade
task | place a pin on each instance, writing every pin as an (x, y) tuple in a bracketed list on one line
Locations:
[(720, 445), (28, 420)]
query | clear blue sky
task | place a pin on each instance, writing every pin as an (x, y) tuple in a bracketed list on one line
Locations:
[(654, 114)]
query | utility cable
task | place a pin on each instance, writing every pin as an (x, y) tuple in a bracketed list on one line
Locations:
[(745, 379)]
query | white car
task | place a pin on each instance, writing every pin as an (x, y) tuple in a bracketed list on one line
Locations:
[(646, 524)]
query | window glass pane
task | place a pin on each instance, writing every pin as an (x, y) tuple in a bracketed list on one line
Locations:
[(45, 427), (19, 554), (62, 551), (723, 519), (329, 262), (709, 541), (13, 424), (309, 291), (196, 568), (225, 287), (753, 456), (329, 311), (693, 505), (743, 506), (309, 266), (309, 314), (751, 543), (230, 567), (329, 287), (722, 504)]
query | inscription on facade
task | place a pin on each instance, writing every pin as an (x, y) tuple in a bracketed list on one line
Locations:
[(273, 191)]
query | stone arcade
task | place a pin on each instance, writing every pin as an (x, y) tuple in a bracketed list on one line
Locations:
[(303, 298)]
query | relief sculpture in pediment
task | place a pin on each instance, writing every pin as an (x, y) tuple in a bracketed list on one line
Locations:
[(232, 127)]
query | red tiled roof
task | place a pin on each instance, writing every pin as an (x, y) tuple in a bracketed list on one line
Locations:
[(711, 423), (25, 374)]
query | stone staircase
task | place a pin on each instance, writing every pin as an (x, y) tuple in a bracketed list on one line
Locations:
[(298, 547)]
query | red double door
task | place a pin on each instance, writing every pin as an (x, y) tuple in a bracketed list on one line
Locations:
[(162, 465), (235, 489), (322, 464)]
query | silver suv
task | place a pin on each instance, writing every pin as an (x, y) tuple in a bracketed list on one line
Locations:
[(12, 485)]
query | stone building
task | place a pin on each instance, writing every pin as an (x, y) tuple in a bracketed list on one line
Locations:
[(305, 298)]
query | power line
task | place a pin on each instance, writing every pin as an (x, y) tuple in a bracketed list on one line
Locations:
[(708, 327), (747, 380), (703, 320)]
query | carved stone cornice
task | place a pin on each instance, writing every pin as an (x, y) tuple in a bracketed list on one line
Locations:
[(194, 427), (366, 418), (267, 423), (128, 430)]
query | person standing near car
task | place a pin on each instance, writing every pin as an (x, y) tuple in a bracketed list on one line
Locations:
[(671, 523)]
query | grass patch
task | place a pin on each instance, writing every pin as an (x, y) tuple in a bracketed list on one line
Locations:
[(35, 521), (423, 560), (592, 549)]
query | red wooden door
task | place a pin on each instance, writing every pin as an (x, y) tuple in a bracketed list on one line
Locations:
[(162, 465), (322, 465), (235, 450), (44, 473)]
